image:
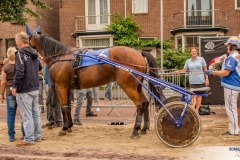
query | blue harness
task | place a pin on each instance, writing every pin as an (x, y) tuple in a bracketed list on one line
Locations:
[(88, 61)]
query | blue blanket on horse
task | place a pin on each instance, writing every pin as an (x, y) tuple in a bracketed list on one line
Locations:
[(88, 61)]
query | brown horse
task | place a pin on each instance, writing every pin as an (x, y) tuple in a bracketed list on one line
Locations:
[(59, 58)]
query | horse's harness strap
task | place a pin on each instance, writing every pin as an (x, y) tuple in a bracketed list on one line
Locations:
[(76, 66), (60, 60)]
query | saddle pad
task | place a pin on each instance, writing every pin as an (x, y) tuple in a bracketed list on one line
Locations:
[(88, 61)]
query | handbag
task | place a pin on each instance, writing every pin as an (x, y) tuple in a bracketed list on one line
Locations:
[(205, 110)]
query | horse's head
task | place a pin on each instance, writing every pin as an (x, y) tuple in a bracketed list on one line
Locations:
[(45, 45), (32, 37)]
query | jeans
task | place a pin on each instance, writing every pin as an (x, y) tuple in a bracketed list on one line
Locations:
[(80, 95), (108, 92), (11, 114), (30, 113), (40, 96), (95, 94), (72, 95), (53, 106)]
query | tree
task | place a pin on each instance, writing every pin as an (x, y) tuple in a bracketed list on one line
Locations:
[(125, 30), (16, 10)]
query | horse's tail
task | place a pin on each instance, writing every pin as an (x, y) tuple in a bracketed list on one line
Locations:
[(153, 72)]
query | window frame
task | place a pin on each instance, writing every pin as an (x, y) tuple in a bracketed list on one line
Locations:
[(183, 36), (80, 40), (139, 12), (236, 5)]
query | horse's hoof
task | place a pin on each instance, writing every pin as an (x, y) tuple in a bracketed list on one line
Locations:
[(134, 136), (69, 130), (51, 127), (143, 132), (62, 133)]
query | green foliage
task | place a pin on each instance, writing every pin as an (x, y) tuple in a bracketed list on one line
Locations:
[(16, 10), (126, 30), (174, 58)]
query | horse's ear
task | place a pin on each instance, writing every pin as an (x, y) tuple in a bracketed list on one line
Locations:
[(37, 29), (28, 31)]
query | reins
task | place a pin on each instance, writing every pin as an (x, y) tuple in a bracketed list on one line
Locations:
[(72, 51)]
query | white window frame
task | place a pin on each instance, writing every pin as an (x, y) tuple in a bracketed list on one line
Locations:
[(80, 40), (183, 35), (236, 7), (140, 8), (97, 26)]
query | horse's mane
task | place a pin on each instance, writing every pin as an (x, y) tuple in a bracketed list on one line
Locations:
[(51, 46)]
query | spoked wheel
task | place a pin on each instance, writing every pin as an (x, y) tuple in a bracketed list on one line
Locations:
[(174, 136), (172, 99)]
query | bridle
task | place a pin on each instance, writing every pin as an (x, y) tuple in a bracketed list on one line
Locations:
[(53, 60)]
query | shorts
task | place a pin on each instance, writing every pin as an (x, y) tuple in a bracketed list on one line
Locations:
[(197, 85)]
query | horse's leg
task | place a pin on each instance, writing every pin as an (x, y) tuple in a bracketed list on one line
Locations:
[(145, 109), (70, 122), (63, 99), (137, 99)]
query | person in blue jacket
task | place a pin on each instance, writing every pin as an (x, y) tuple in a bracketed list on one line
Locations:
[(54, 114), (230, 80)]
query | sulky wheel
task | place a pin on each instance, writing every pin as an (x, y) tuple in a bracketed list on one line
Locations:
[(172, 99), (186, 133)]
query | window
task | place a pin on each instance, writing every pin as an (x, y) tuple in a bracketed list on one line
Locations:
[(191, 41), (97, 14), (179, 42), (91, 12), (10, 42), (139, 6), (199, 12), (103, 11), (188, 41), (237, 4), (96, 42)]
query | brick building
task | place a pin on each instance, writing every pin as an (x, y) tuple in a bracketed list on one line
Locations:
[(81, 22)]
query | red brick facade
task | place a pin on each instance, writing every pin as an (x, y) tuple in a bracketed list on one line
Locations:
[(59, 22), (49, 25)]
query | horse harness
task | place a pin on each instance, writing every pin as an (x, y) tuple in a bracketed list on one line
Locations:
[(75, 64)]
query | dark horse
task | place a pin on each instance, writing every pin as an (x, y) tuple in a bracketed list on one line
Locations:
[(59, 58)]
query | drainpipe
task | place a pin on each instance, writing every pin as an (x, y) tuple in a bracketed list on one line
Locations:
[(125, 8), (161, 32)]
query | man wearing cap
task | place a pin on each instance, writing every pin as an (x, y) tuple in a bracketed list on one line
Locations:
[(230, 80)]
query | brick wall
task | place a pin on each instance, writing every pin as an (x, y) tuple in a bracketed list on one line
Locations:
[(232, 16), (68, 10), (59, 22), (8, 31), (49, 22)]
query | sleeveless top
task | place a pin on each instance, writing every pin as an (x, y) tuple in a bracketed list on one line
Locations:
[(9, 70)]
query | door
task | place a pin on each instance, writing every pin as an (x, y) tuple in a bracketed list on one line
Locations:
[(97, 14), (198, 12)]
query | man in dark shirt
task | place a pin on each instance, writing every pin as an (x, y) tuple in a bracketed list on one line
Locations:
[(25, 88)]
